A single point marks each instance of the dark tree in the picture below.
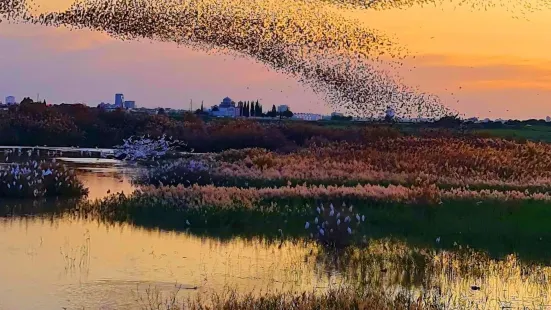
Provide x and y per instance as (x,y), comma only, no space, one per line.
(245,110)
(259,108)
(161,111)
(215,108)
(273,112)
(287,113)
(256,109)
(240,107)
(27,100)
(252,110)
(202,108)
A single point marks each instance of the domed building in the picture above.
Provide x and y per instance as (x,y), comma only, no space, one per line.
(227,108)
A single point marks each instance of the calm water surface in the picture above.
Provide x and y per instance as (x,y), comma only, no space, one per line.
(61,262)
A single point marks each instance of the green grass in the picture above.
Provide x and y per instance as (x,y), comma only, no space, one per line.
(531,133)
(499,228)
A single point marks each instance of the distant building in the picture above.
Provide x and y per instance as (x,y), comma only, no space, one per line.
(107,107)
(282,108)
(307,116)
(227,108)
(119,100)
(130,104)
(389,113)
(548,119)
(10,100)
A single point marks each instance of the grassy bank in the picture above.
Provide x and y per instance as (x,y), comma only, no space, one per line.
(497,226)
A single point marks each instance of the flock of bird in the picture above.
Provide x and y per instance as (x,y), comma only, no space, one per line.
(336,56)
(332,223)
(35,177)
(145,148)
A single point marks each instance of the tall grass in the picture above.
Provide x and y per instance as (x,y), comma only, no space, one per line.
(337,299)
(35,179)
(445,161)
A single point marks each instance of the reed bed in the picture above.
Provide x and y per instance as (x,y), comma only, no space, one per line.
(340,298)
(447,162)
(36,179)
(198,196)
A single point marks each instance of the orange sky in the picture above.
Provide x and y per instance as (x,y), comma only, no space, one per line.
(494,64)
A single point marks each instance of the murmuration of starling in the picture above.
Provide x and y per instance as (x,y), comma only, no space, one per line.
(335,56)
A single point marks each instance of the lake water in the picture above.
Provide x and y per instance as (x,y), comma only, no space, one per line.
(63,262)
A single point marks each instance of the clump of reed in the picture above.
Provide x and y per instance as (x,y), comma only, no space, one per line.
(427,194)
(334,298)
(183,171)
(35,179)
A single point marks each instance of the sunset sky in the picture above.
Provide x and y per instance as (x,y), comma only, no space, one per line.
(496,65)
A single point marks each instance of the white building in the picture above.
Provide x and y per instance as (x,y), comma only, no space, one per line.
(10,100)
(390,113)
(307,116)
(227,108)
(282,108)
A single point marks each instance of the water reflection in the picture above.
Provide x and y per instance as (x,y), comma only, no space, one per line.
(71,263)
(122,256)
